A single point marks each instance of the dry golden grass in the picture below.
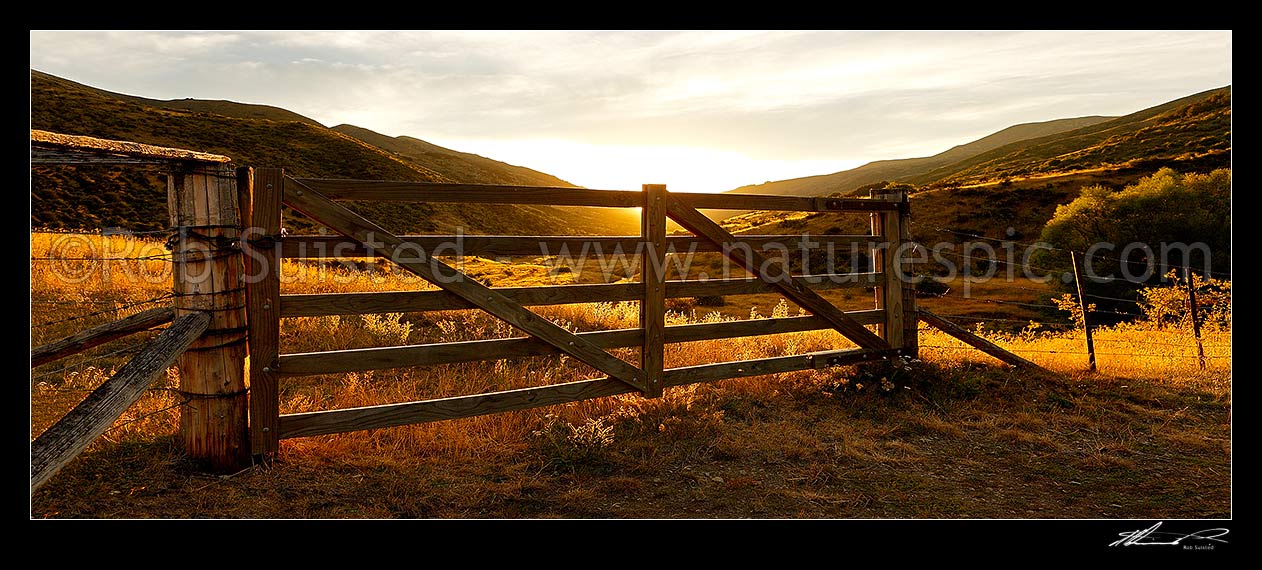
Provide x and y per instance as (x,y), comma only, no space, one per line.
(952,436)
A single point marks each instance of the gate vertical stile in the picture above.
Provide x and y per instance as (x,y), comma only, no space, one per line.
(653,275)
(263,302)
(885,259)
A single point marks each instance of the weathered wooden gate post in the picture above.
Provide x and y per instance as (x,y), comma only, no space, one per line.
(207,270)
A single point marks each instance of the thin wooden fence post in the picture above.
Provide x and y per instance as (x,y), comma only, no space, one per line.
(207,268)
(1196,323)
(653,275)
(262,292)
(885,258)
(911,322)
(1082,304)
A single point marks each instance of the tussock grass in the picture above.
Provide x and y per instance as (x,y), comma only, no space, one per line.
(952,435)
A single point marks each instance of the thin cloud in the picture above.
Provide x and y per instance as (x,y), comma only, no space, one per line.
(833,97)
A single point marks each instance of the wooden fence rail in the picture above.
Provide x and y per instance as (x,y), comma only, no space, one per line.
(325,247)
(99,335)
(322,304)
(973,340)
(88,420)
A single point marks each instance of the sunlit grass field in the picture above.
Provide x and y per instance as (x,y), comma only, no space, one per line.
(845,442)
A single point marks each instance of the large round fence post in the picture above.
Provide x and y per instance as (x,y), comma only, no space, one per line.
(207,271)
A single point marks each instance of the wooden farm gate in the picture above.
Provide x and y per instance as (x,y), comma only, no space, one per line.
(894,313)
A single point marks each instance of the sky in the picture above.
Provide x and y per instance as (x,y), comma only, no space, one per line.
(700,111)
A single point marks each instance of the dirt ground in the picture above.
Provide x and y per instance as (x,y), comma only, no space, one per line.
(972,441)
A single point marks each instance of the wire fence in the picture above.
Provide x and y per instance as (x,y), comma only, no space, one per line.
(1050,247)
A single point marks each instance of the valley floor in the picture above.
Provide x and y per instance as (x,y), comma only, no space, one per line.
(967,440)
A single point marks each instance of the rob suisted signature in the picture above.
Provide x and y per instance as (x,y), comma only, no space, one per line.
(1152,537)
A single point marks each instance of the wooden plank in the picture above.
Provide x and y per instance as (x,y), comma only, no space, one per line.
(60,443)
(126,149)
(262,298)
(214,424)
(653,278)
(314,305)
(324,247)
(99,335)
(382,358)
(384,190)
(353,225)
(730,201)
(775,274)
(389,415)
(974,340)
(889,295)
(776,365)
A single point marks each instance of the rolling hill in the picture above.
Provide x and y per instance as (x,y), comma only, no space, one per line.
(79,197)
(1009,189)
(1191,133)
(456,165)
(902,169)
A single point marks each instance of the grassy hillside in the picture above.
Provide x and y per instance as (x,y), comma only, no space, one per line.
(1011,190)
(68,197)
(1188,134)
(902,169)
(456,165)
(475,169)
(216,107)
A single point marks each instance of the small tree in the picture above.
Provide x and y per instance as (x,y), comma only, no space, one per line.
(1069,304)
(1169,306)
(1166,210)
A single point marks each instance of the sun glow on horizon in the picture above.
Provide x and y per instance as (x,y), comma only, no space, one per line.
(627,167)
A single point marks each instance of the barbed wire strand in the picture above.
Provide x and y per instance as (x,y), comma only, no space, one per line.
(102,312)
(1047,246)
(129,348)
(998,319)
(150,414)
(123,233)
(1001,302)
(163,257)
(1071,352)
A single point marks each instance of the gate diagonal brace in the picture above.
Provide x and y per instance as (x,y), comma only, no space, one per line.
(384,244)
(774,274)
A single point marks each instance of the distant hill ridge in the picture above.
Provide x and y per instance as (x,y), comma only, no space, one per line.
(77,197)
(456,165)
(1191,131)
